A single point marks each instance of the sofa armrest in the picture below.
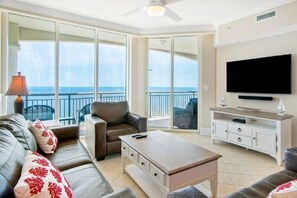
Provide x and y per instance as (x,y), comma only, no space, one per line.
(124,193)
(291,159)
(96,136)
(66,132)
(137,121)
(189,192)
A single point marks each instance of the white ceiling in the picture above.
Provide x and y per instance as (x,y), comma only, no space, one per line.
(193,12)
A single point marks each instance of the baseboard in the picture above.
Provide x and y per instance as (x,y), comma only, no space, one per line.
(205,131)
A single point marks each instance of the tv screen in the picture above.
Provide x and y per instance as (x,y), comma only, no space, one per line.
(260,75)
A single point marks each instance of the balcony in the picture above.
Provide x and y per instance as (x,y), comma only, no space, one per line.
(71,103)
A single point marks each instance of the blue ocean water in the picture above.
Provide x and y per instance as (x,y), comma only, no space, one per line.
(38,90)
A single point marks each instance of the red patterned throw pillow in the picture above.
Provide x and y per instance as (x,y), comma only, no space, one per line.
(45,138)
(286,190)
(40,178)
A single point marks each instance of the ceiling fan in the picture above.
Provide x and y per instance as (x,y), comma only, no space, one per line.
(157,8)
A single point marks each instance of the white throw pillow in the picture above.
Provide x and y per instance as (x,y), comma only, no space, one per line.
(40,178)
(45,138)
(286,190)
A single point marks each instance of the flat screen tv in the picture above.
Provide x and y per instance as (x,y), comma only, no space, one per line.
(260,75)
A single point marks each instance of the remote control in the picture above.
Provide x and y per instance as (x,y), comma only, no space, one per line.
(143,136)
(136,136)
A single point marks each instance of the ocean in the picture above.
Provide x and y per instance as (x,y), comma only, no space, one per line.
(72,99)
(43,90)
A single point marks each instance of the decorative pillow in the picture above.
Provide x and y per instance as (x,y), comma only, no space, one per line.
(40,178)
(45,138)
(18,126)
(286,190)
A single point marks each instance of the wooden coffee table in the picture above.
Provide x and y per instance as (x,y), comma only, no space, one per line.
(162,163)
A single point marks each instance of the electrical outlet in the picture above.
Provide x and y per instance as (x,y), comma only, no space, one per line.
(205,87)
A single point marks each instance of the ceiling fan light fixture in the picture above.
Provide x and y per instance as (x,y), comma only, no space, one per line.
(155,10)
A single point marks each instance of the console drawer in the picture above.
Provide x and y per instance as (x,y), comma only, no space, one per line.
(124,148)
(238,139)
(157,174)
(133,154)
(144,163)
(240,129)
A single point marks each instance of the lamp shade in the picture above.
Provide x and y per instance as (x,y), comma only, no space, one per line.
(18,86)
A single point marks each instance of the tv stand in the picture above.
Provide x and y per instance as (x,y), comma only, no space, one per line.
(248,109)
(265,132)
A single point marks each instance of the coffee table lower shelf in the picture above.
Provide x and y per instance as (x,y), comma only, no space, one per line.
(143,180)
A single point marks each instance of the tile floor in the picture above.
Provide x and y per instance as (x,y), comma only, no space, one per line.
(238,167)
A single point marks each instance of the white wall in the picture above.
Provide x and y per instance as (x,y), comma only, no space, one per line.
(138,76)
(208,78)
(277,45)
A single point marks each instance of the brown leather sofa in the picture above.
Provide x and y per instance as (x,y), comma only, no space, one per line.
(70,157)
(260,189)
(108,121)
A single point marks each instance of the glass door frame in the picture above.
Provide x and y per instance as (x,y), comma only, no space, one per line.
(199,85)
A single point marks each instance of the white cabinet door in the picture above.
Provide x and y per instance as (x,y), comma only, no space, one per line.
(264,140)
(220,130)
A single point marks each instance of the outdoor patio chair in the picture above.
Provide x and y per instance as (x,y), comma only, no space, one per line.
(85,110)
(41,112)
(186,118)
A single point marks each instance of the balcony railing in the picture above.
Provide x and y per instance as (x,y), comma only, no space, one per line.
(70,103)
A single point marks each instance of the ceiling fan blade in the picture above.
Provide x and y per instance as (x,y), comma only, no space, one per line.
(169,13)
(133,11)
(166,2)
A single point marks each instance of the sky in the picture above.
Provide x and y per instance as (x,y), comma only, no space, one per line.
(37,62)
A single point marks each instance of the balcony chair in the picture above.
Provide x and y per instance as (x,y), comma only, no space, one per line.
(85,110)
(108,121)
(186,118)
(41,112)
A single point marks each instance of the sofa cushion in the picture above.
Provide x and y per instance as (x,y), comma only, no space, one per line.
(12,155)
(46,139)
(69,154)
(18,126)
(111,112)
(40,178)
(87,177)
(113,132)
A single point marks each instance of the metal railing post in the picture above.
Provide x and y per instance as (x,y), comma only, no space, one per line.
(69,110)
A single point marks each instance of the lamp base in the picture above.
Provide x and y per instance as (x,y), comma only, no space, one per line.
(19,105)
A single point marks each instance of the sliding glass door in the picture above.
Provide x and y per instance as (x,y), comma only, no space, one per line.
(173,82)
(32,52)
(112,70)
(159,85)
(185,82)
(76,71)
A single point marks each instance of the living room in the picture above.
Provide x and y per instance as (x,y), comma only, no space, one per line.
(186,53)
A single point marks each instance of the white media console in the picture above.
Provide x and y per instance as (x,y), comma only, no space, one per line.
(262,131)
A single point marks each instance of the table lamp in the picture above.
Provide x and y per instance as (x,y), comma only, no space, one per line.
(18,86)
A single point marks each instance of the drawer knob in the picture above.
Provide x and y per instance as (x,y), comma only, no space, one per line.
(124,148)
(142,163)
(239,129)
(239,139)
(254,138)
(155,174)
(132,154)
(226,131)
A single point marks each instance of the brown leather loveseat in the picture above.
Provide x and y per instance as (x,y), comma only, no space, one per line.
(108,121)
(70,157)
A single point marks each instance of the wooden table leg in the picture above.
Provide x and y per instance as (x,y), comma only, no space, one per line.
(123,162)
(214,185)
